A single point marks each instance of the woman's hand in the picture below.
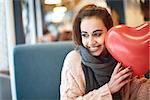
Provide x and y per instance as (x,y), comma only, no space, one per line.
(119,78)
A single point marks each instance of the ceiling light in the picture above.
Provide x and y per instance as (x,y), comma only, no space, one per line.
(52,1)
(62,9)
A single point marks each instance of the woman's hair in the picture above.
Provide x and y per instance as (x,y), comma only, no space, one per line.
(90,11)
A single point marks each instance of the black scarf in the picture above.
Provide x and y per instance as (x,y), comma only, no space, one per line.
(97,70)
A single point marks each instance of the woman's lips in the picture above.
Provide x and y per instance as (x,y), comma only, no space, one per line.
(94,48)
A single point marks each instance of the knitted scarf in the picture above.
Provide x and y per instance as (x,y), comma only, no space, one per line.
(97,70)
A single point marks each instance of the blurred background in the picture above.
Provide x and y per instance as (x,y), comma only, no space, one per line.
(40,21)
(43,21)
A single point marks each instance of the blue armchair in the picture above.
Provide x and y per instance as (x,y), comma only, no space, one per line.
(37,70)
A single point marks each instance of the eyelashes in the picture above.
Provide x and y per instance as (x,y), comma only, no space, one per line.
(97,34)
(84,35)
(93,34)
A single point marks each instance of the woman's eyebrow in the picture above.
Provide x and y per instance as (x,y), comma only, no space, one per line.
(97,31)
(83,32)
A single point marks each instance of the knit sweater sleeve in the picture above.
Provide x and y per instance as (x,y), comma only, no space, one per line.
(73,83)
(137,89)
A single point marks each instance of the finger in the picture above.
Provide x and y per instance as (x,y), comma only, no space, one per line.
(116,68)
(122,72)
(124,82)
(121,68)
(125,76)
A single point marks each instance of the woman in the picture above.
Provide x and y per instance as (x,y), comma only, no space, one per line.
(90,72)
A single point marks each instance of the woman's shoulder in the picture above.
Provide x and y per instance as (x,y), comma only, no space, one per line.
(73,62)
(73,55)
(72,73)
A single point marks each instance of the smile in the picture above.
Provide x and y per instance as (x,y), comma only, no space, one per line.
(94,48)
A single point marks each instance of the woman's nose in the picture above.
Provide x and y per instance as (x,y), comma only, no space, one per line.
(91,40)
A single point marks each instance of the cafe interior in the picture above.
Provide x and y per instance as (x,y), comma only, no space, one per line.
(36,35)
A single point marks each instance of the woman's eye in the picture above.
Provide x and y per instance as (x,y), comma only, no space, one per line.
(84,35)
(97,34)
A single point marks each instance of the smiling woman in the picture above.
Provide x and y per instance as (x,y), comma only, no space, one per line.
(90,72)
(93,35)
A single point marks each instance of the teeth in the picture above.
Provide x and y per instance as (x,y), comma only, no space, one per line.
(93,48)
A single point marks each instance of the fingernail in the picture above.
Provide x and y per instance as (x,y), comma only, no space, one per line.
(129,67)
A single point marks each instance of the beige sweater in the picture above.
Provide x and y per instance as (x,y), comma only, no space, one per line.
(73,84)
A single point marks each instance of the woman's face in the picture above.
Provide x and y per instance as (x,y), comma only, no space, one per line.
(93,32)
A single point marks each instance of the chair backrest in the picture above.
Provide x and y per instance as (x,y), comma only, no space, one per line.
(37,70)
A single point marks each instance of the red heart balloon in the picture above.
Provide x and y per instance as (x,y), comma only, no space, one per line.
(130,46)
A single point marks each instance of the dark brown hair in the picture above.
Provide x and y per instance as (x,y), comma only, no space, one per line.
(90,11)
